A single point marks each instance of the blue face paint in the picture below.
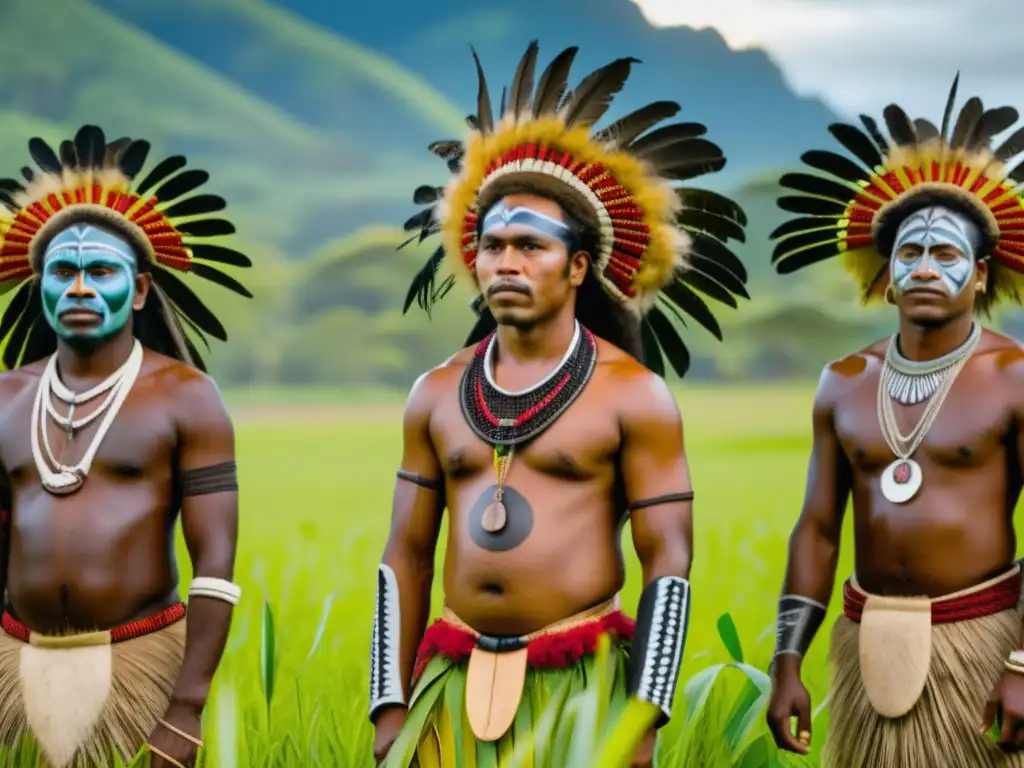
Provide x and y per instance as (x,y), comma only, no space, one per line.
(88,270)
(935,248)
(500,217)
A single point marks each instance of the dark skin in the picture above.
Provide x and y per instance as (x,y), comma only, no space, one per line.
(104,556)
(626,419)
(958,530)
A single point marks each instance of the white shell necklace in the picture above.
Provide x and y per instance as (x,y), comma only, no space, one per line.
(57,477)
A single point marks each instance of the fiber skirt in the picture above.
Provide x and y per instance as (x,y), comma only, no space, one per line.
(437,733)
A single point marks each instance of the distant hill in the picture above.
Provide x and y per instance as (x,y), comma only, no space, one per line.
(377,75)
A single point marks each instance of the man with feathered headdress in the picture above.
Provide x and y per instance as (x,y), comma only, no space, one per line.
(925,430)
(109,429)
(553,428)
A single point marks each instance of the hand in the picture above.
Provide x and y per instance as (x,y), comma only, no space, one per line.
(789,698)
(388,726)
(165,740)
(644,756)
(1006,706)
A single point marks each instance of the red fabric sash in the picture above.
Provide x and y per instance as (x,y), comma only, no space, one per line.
(557,650)
(1001,596)
(129,631)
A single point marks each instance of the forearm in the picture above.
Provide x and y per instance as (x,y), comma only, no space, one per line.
(662,622)
(211,602)
(404,581)
(807,590)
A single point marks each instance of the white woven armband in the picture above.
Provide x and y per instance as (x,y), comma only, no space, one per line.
(218,589)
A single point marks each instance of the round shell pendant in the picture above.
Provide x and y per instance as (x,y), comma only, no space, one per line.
(62,483)
(901,480)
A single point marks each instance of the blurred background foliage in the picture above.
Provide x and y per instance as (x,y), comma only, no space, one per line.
(314,122)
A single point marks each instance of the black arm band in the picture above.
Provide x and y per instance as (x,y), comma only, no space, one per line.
(799,619)
(657,652)
(654,501)
(423,482)
(212,479)
(385,659)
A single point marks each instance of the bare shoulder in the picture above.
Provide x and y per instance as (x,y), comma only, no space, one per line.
(840,376)
(17,385)
(195,398)
(637,393)
(434,384)
(1007,356)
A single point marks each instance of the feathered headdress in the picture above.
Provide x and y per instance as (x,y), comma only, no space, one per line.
(856,214)
(92,181)
(658,245)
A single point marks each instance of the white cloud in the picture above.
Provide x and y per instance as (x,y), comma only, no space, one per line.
(861,56)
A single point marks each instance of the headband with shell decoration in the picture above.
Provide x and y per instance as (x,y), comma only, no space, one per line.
(856,213)
(658,245)
(91,180)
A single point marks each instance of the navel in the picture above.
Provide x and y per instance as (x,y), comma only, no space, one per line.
(964,452)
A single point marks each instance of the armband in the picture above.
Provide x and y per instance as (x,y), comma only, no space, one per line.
(662,620)
(385,659)
(423,482)
(218,589)
(212,479)
(654,501)
(799,619)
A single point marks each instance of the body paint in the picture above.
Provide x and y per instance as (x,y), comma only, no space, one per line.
(500,217)
(930,229)
(92,269)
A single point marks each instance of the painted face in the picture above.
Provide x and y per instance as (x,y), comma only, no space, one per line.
(935,248)
(88,283)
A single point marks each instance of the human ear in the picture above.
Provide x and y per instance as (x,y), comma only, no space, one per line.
(143,281)
(579,263)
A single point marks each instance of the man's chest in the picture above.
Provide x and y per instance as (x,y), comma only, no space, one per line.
(137,439)
(580,443)
(969,424)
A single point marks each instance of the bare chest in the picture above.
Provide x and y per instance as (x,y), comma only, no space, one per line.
(581,444)
(970,427)
(139,441)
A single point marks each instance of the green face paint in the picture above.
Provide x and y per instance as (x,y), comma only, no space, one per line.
(88,284)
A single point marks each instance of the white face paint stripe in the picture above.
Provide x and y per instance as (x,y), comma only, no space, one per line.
(501,212)
(80,246)
(931,228)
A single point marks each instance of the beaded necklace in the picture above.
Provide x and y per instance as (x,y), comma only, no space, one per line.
(506,419)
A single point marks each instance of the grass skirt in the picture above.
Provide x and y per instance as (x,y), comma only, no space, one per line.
(943,729)
(437,733)
(77,706)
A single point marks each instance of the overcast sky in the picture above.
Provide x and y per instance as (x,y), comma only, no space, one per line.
(860,56)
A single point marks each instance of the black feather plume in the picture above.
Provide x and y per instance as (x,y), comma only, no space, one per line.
(188,303)
(163,169)
(180,185)
(857,143)
(193,206)
(837,165)
(552,84)
(206,227)
(134,158)
(876,135)
(220,254)
(522,83)
(624,130)
(900,126)
(484,115)
(220,278)
(44,156)
(594,94)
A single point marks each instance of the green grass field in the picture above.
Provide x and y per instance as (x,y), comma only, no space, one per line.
(317,478)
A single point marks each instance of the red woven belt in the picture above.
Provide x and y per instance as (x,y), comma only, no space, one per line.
(985,602)
(557,650)
(129,631)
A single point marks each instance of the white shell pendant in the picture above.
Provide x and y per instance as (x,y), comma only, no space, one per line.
(901,480)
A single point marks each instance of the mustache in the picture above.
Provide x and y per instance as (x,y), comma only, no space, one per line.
(508,285)
(922,285)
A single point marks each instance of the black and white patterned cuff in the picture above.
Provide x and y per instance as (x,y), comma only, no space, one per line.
(385,659)
(662,620)
(799,619)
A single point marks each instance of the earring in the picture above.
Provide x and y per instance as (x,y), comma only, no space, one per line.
(888,296)
(979,286)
